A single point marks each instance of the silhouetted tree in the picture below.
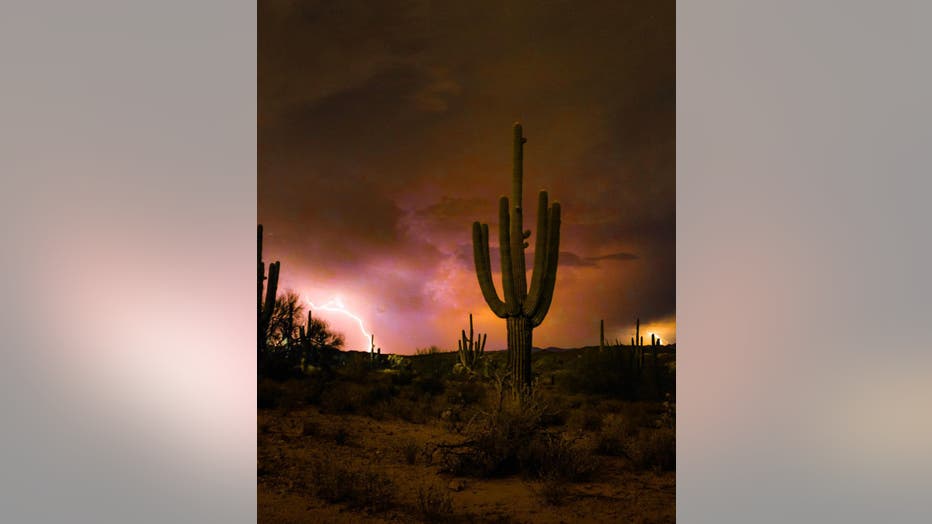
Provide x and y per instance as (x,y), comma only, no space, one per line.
(283,327)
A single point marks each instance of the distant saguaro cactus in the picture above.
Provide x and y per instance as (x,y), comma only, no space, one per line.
(601,335)
(523,309)
(265,309)
(305,342)
(471,349)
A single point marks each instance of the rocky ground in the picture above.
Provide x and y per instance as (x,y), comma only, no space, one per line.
(320,467)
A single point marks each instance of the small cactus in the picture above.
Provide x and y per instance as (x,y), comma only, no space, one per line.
(305,341)
(471,349)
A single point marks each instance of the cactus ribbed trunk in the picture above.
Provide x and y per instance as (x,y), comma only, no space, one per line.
(520,340)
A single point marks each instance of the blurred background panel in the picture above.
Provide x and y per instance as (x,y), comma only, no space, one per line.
(802,272)
(127,154)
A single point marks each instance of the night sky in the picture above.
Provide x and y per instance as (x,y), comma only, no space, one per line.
(385,131)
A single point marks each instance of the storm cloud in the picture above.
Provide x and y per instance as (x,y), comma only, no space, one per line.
(384,132)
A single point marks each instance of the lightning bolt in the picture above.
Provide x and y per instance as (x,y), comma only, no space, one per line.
(336,305)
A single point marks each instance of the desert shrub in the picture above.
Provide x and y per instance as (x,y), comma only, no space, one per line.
(289,394)
(554,417)
(378,393)
(357,367)
(404,408)
(264,427)
(653,448)
(365,489)
(342,397)
(466,393)
(586,419)
(615,432)
(341,436)
(667,417)
(434,504)
(268,394)
(431,350)
(410,449)
(310,428)
(403,377)
(615,373)
(429,385)
(551,456)
(496,442)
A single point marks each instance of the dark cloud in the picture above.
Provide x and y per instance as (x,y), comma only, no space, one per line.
(384,132)
(615,256)
(464,255)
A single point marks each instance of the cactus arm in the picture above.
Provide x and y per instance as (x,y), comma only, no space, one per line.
(261,279)
(540,253)
(517,163)
(271,291)
(549,279)
(519,269)
(480,242)
(504,242)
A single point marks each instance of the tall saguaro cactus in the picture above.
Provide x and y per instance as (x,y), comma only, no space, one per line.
(522,308)
(265,309)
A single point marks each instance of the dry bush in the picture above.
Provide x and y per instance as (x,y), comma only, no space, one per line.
(612,438)
(410,410)
(653,448)
(514,439)
(585,419)
(552,456)
(310,428)
(342,397)
(434,504)
(410,450)
(265,427)
(465,393)
(341,436)
(365,489)
(431,350)
(493,442)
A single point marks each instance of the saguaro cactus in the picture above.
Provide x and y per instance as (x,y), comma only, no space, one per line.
(306,341)
(265,309)
(471,349)
(601,335)
(522,308)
